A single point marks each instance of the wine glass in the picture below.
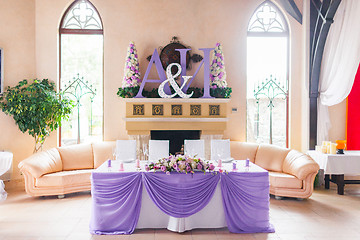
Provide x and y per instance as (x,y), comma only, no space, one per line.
(219,153)
(145,151)
(114,153)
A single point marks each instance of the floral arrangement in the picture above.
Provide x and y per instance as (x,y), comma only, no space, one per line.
(219,87)
(217,68)
(180,163)
(131,81)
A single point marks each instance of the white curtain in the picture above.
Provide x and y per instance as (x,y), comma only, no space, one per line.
(340,62)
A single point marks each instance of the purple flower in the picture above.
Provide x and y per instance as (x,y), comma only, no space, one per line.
(199,166)
(175,166)
(188,168)
(221,74)
(147,168)
(217,44)
(163,168)
(211,167)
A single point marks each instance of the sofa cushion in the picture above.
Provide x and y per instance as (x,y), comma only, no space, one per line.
(283,180)
(102,152)
(78,156)
(271,157)
(243,150)
(64,178)
(42,163)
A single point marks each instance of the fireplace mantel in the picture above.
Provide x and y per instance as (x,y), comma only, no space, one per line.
(146,114)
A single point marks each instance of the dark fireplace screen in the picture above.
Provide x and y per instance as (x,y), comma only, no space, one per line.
(176,138)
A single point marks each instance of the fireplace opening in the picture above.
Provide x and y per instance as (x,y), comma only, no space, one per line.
(176,138)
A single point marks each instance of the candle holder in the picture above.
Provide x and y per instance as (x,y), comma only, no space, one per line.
(339,151)
(341,145)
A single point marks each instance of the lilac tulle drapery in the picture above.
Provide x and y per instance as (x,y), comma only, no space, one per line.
(117,198)
(117,202)
(246,209)
(180,195)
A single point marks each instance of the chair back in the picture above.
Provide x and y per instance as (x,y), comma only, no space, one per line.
(220,149)
(126,150)
(158,149)
(195,148)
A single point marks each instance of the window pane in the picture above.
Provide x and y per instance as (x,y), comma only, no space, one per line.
(266,89)
(267,19)
(82,15)
(82,55)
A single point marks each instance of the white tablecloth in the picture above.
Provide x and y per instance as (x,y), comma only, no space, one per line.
(5,166)
(347,164)
(211,216)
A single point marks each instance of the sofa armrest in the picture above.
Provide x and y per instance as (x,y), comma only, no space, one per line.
(42,163)
(300,165)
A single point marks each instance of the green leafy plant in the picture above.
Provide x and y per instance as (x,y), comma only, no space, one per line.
(36,108)
(128,92)
(221,92)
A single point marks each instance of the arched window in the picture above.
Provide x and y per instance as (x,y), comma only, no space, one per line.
(81,72)
(267,76)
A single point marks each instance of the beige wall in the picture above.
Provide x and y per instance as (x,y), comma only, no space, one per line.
(17,30)
(31,48)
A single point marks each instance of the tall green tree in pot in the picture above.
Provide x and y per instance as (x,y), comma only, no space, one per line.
(36,108)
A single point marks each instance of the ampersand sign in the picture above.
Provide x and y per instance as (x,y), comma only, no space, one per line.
(171,80)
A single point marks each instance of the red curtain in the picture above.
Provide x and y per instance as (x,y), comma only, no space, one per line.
(353,115)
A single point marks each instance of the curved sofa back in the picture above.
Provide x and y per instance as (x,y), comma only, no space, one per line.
(77,157)
(42,163)
(271,157)
(102,152)
(274,158)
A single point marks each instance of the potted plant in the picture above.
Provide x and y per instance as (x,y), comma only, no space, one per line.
(36,108)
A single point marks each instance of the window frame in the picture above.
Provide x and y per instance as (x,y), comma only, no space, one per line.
(82,32)
(285,33)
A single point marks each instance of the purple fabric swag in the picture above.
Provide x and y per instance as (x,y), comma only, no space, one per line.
(180,195)
(116,202)
(246,202)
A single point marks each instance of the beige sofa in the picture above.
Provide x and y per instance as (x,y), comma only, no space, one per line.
(63,170)
(291,173)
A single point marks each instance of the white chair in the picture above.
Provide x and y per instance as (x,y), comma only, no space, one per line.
(195,148)
(220,149)
(158,149)
(126,150)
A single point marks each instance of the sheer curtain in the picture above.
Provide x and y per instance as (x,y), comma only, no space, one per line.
(339,64)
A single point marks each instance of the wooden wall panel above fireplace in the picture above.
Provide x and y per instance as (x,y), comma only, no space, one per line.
(207,115)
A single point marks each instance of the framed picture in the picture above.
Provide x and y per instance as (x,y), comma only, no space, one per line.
(1,70)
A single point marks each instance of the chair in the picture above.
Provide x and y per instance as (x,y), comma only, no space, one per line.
(126,150)
(158,149)
(220,149)
(195,148)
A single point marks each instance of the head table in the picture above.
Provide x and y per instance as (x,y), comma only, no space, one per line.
(123,201)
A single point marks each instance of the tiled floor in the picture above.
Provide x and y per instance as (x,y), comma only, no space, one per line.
(325,215)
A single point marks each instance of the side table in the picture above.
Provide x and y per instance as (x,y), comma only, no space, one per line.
(336,166)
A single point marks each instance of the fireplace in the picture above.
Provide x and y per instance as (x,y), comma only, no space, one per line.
(176,138)
(175,119)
